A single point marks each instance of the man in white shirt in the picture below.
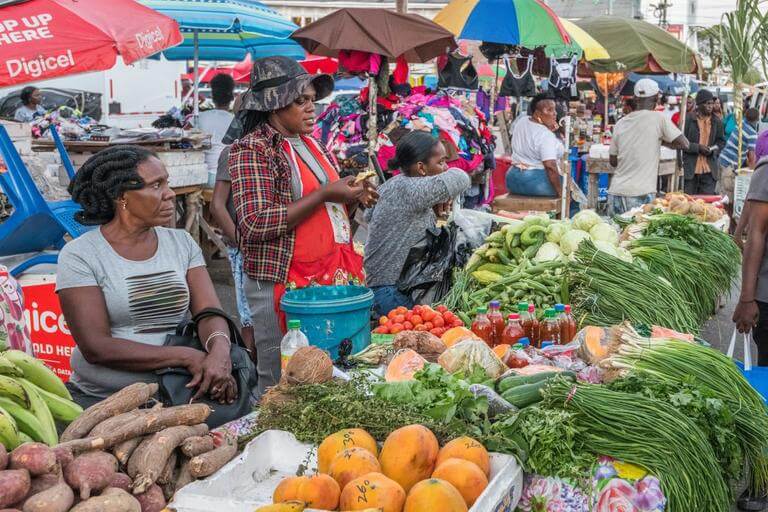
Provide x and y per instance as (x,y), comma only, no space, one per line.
(636,150)
(216,121)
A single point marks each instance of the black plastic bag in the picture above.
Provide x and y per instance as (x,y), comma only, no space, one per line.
(427,272)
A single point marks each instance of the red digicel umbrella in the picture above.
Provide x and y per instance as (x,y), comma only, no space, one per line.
(42,39)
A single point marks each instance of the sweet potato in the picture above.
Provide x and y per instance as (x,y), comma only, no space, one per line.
(124,450)
(111,500)
(3,457)
(58,498)
(208,463)
(154,421)
(36,458)
(149,459)
(91,472)
(15,484)
(63,455)
(125,400)
(152,500)
(197,445)
(166,475)
(45,482)
(121,481)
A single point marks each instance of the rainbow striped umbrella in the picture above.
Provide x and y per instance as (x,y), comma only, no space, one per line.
(527,23)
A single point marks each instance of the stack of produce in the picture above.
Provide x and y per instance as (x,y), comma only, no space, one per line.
(32,400)
(412,473)
(116,457)
(420,318)
(683,204)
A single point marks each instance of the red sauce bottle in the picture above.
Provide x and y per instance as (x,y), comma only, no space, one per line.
(549,330)
(513,331)
(497,321)
(482,326)
(532,332)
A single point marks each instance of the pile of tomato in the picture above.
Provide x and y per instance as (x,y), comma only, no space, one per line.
(420,318)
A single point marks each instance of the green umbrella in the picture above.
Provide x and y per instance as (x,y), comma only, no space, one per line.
(638,46)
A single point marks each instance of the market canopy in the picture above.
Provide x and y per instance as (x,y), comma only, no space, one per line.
(42,39)
(592,49)
(228,29)
(378,31)
(637,45)
(667,84)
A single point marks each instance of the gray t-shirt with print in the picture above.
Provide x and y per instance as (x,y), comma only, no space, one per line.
(145,299)
(758,191)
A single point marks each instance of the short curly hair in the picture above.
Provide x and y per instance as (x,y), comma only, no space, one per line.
(103,178)
(26,94)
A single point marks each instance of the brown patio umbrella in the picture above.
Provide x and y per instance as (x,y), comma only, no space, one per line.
(379,31)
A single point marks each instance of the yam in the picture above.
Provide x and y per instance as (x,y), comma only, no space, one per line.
(125,400)
(309,365)
(426,344)
(3,457)
(63,455)
(197,445)
(91,471)
(111,500)
(15,484)
(152,500)
(45,482)
(110,424)
(184,476)
(150,423)
(58,498)
(124,450)
(208,463)
(121,481)
(37,458)
(167,474)
(149,459)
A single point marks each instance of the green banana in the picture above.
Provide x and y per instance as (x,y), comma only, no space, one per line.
(25,420)
(10,388)
(61,408)
(24,438)
(9,432)
(8,368)
(38,373)
(39,408)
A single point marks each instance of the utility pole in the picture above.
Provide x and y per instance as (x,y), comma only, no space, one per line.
(402,6)
(660,11)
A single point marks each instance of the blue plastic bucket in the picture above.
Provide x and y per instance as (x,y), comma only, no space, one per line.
(329,314)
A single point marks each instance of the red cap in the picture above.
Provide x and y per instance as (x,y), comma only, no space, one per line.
(567,308)
(514,316)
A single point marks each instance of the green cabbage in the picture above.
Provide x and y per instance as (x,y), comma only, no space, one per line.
(624,254)
(607,247)
(571,240)
(548,252)
(585,219)
(604,232)
(538,219)
(556,230)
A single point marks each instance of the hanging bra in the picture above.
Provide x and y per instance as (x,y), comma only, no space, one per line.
(562,77)
(458,73)
(518,85)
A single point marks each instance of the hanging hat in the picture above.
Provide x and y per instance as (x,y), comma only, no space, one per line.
(276,82)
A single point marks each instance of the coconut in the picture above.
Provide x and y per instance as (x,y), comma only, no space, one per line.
(309,365)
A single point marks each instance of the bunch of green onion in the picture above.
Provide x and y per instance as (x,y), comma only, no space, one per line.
(674,360)
(651,434)
(607,291)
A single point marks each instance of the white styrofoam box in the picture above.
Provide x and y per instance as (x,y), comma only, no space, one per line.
(249,480)
(185,168)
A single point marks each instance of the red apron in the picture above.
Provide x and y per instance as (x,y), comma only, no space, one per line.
(323,252)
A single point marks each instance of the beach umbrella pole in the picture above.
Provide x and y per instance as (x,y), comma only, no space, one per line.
(196,100)
(567,173)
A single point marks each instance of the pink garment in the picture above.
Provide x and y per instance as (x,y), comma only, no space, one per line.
(385,154)
(467,165)
(356,61)
(400,74)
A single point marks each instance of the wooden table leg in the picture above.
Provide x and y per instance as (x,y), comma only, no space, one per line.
(593,190)
(193,202)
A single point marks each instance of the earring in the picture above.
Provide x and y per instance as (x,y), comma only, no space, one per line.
(125,205)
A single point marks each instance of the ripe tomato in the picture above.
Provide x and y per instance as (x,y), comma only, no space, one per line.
(407,326)
(417,309)
(383,320)
(429,325)
(416,319)
(427,314)
(442,309)
(457,322)
(409,316)
(448,317)
(438,321)
(401,310)
(437,331)
(382,329)
(399,319)
(392,314)
(395,328)
(420,327)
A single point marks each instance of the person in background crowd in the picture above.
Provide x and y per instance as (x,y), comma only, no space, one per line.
(630,105)
(670,107)
(729,160)
(717,108)
(690,105)
(187,94)
(216,121)
(407,207)
(128,283)
(292,209)
(636,150)
(31,99)
(707,138)
(535,151)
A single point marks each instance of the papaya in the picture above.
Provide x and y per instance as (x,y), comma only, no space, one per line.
(352,463)
(319,491)
(468,449)
(404,365)
(372,491)
(340,441)
(465,476)
(434,494)
(287,489)
(409,455)
(456,334)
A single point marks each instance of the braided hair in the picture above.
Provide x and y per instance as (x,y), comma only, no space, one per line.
(103,178)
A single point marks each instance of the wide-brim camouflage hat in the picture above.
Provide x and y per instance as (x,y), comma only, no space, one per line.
(276,82)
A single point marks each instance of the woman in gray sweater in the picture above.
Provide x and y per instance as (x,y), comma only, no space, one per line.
(406,209)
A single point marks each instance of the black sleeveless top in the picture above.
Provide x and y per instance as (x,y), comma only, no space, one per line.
(520,85)
(458,73)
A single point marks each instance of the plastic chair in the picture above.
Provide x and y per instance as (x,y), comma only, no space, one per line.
(35,224)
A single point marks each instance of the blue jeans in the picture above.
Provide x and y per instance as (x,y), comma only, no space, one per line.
(236,262)
(387,298)
(529,182)
(618,205)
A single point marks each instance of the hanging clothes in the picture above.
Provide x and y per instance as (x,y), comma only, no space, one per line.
(562,77)
(458,73)
(518,85)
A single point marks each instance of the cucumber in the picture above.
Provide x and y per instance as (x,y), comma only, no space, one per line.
(519,380)
(525,394)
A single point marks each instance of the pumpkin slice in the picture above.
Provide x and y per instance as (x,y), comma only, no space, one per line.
(404,365)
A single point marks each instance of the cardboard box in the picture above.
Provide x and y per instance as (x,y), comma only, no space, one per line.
(249,480)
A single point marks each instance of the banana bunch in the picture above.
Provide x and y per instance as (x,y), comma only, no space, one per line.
(32,399)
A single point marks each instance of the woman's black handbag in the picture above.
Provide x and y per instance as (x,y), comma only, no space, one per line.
(173,381)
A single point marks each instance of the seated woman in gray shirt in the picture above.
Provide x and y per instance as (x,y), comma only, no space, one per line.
(405,210)
(126,284)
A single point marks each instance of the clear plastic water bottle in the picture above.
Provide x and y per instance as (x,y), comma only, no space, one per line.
(293,340)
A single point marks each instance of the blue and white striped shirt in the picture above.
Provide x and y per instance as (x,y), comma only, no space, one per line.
(729,155)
